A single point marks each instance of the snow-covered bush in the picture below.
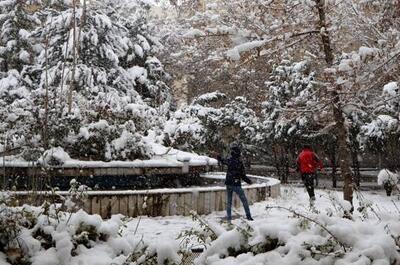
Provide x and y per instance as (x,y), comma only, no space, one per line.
(92,141)
(303,238)
(18,115)
(129,146)
(185,131)
(54,157)
(209,124)
(381,131)
(46,235)
(104,141)
(388,180)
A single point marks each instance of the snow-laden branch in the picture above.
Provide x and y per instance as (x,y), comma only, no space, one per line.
(313,221)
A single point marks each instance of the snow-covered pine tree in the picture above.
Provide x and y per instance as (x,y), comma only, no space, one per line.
(288,113)
(118,93)
(210,124)
(381,132)
(17,53)
(191,127)
(290,90)
(17,20)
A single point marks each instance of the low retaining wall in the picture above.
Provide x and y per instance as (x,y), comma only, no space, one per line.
(166,202)
(103,177)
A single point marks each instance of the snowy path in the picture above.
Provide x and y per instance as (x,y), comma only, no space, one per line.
(156,229)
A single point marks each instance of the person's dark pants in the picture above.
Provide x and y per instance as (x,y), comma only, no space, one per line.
(308,180)
(239,191)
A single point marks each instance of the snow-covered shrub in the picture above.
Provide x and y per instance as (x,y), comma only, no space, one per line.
(303,239)
(54,157)
(37,236)
(12,221)
(18,115)
(388,180)
(380,132)
(92,141)
(129,146)
(186,131)
(103,141)
(208,124)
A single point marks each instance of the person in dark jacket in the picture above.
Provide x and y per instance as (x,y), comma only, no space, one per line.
(235,173)
(307,164)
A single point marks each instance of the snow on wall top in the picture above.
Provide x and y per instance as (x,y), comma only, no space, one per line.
(163,157)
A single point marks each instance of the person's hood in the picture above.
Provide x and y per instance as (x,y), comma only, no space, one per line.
(235,151)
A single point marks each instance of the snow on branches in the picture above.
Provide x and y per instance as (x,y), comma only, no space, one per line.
(73,66)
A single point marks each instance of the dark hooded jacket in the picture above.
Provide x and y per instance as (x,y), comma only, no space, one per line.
(236,171)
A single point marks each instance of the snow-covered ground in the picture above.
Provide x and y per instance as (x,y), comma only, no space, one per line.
(286,231)
(375,216)
(292,197)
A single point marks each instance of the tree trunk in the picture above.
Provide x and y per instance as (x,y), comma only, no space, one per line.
(343,148)
(333,173)
(277,162)
(72,82)
(46,99)
(285,165)
(341,130)
(356,168)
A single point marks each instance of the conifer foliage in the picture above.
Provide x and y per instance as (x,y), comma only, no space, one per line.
(80,77)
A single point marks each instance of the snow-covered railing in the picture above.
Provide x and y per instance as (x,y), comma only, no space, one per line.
(166,202)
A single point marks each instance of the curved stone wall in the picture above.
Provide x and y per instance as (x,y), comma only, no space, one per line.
(179,201)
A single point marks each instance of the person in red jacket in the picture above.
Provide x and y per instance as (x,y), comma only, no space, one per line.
(307,164)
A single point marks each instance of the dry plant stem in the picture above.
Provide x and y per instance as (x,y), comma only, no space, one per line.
(395,205)
(46,99)
(140,218)
(361,197)
(63,66)
(72,81)
(197,216)
(137,225)
(313,221)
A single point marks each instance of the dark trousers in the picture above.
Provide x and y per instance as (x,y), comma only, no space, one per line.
(308,180)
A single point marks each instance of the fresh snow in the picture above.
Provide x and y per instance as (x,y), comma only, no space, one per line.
(192,33)
(367,237)
(234,53)
(386,175)
(367,51)
(368,233)
(163,157)
(391,89)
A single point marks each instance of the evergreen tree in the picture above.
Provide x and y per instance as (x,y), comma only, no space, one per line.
(17,20)
(92,86)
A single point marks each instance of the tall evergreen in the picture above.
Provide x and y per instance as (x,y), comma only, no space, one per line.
(92,84)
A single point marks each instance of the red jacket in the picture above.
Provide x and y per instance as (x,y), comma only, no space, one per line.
(308,162)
